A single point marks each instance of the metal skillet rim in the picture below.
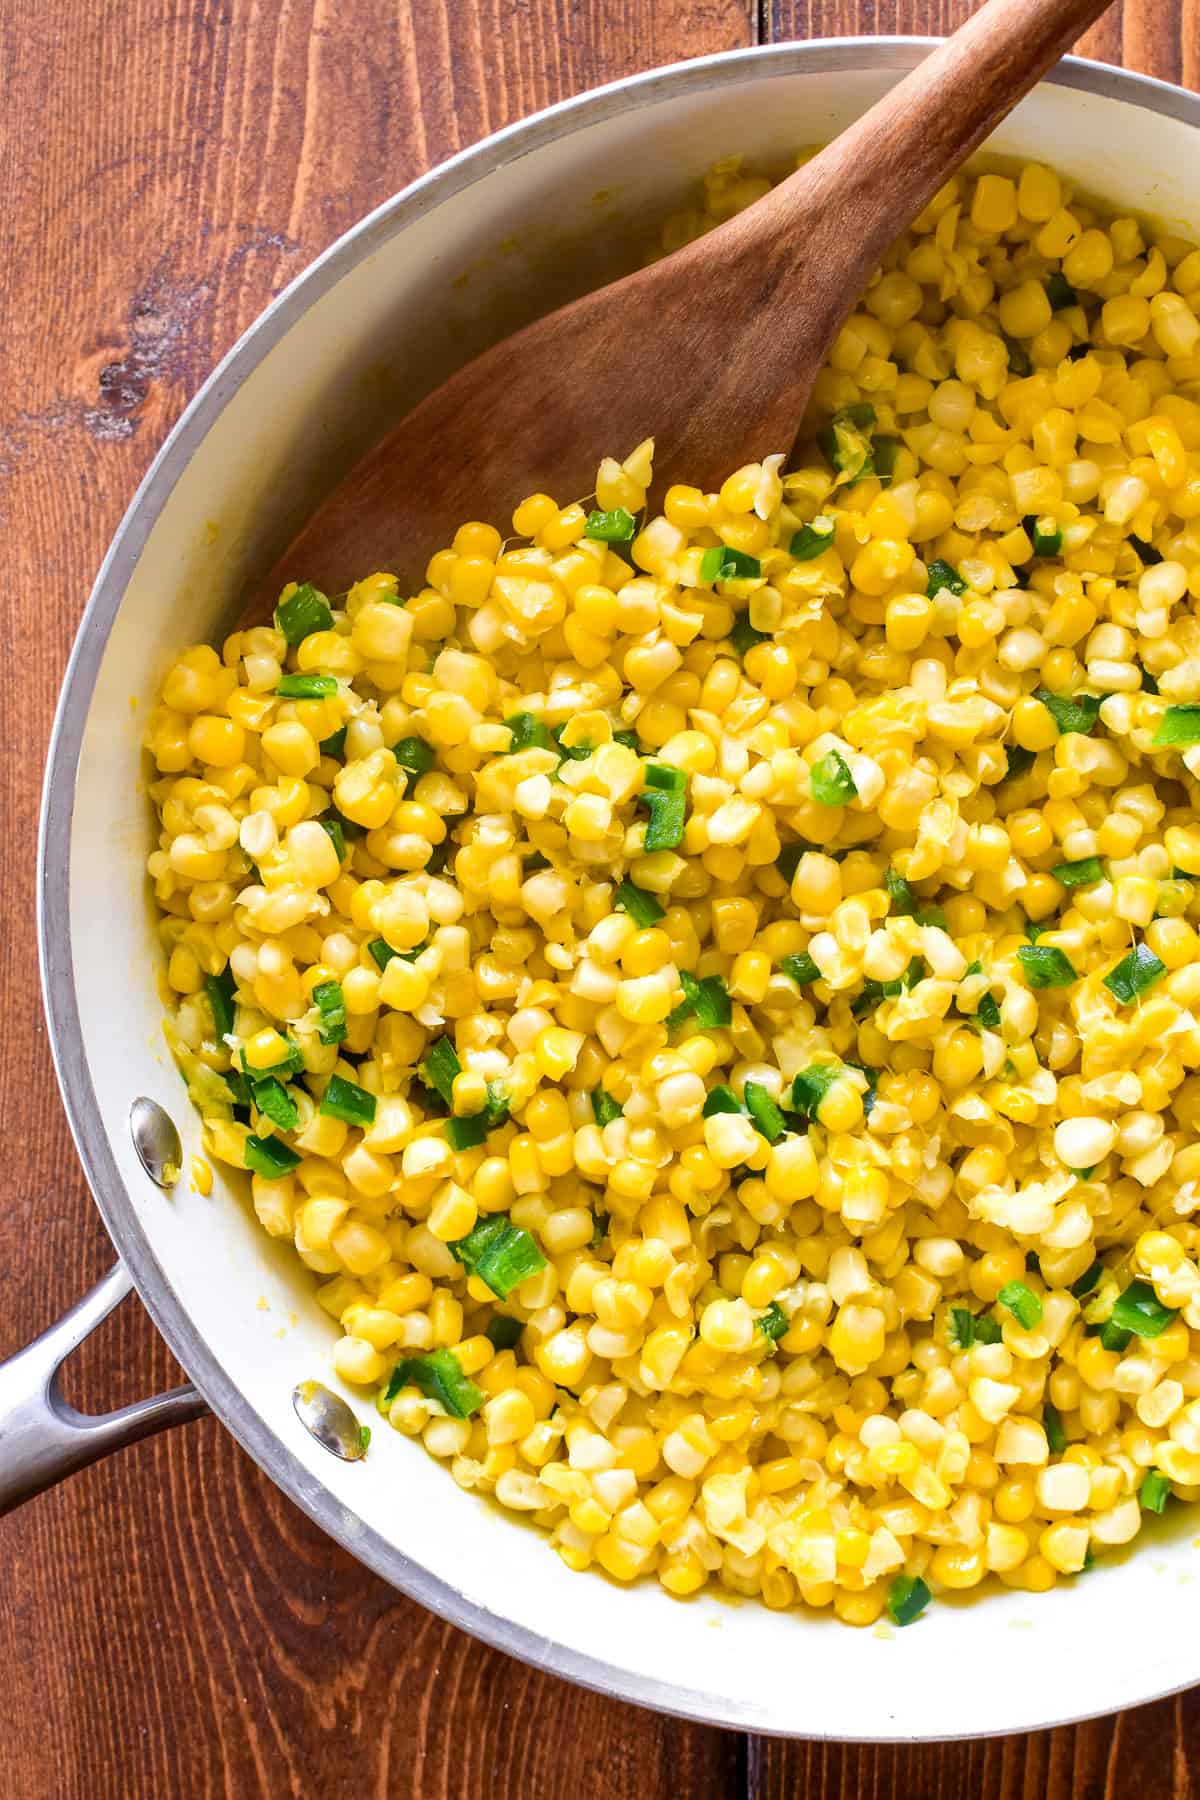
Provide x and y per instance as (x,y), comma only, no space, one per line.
(54,945)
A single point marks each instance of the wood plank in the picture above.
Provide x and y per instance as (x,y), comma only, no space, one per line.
(1156,37)
(169,1624)
(1154,1746)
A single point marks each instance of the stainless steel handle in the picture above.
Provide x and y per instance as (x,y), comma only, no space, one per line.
(42,1438)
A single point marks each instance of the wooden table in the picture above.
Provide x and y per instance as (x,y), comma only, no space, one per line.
(170,1627)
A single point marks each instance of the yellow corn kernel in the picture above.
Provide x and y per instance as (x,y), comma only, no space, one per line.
(750,976)
(453,1213)
(631,1420)
(959,1565)
(291,747)
(907,620)
(218,742)
(855,1339)
(358,1362)
(994,204)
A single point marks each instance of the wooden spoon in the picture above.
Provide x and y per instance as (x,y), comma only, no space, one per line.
(712,351)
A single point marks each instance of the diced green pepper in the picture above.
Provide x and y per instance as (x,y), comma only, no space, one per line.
(439,1376)
(960,1328)
(811,1085)
(1084,873)
(468,1133)
(706,1001)
(275,1103)
(528,733)
(306,687)
(1154,1492)
(504,1332)
(1134,974)
(831,780)
(221,990)
(304,611)
(1022,1303)
(903,900)
(773,1323)
(615,527)
(665,797)
(330,1003)
(291,1064)
(1044,535)
(496,1107)
(1046,966)
(812,540)
(501,1254)
(415,755)
(721,1099)
(1019,365)
(269,1158)
(1114,1337)
(1071,712)
(801,969)
(720,563)
(439,1068)
(744,635)
(1059,291)
(765,1114)
(907,1598)
(943,575)
(1087,1281)
(1140,1310)
(1052,1424)
(347,1101)
(847,444)
(1018,761)
(604,1108)
(884,452)
(1179,727)
(642,907)
(988,1013)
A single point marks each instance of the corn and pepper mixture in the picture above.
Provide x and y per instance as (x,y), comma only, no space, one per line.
(715,996)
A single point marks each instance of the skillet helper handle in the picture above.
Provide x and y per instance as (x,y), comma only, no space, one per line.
(42,1438)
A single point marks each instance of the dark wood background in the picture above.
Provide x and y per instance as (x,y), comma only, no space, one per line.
(169,1625)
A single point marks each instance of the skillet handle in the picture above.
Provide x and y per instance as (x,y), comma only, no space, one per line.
(42,1438)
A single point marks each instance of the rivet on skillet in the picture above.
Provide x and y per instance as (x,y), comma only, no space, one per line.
(156,1141)
(326,1417)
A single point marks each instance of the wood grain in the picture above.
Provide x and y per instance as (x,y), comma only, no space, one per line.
(713,351)
(170,1627)
(1156,37)
(1086,1762)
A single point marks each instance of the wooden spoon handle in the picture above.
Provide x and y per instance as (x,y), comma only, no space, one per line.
(883,171)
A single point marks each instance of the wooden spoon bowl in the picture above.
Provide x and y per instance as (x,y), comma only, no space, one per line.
(713,351)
